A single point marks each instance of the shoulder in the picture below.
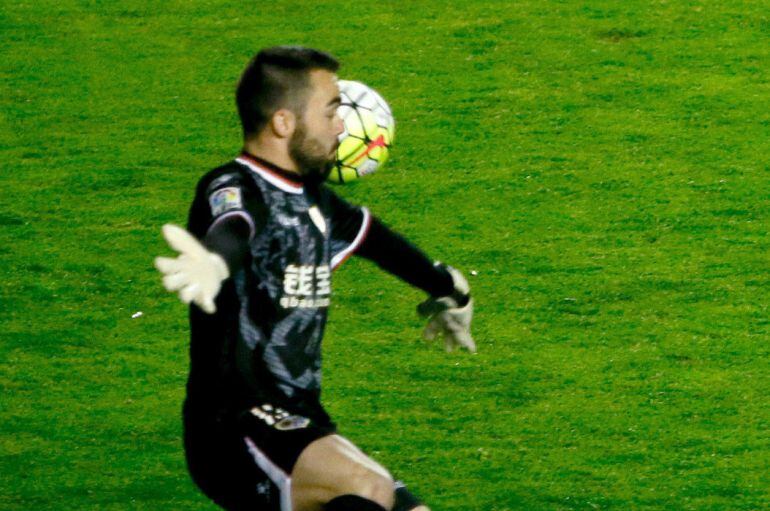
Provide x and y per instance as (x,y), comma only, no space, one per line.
(229,174)
(223,192)
(231,181)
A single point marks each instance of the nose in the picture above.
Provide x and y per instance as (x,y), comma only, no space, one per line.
(339,125)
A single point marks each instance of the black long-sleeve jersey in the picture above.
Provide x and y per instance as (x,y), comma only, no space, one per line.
(264,341)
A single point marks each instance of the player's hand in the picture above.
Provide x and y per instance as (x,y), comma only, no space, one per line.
(196,272)
(450,316)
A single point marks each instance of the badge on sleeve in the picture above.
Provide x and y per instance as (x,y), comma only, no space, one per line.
(225,199)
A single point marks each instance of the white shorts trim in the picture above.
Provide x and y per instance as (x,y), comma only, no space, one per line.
(276,474)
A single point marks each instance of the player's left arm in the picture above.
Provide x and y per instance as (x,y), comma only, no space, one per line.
(449,308)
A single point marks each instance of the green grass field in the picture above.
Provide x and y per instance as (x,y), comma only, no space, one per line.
(602,166)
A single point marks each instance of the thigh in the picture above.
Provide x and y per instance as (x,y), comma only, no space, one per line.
(334,466)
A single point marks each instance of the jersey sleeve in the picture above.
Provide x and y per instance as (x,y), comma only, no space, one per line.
(349,227)
(229,196)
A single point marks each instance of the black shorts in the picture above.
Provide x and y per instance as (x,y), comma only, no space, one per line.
(245,462)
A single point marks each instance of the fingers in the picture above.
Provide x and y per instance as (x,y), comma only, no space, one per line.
(181,240)
(449,341)
(465,340)
(174,275)
(207,304)
(460,334)
(433,328)
(453,340)
(189,292)
(168,265)
(175,281)
(195,274)
(454,332)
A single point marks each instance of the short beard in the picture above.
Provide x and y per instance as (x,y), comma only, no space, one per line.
(307,153)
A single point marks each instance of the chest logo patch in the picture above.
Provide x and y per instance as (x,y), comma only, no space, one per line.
(317,218)
(225,199)
(306,286)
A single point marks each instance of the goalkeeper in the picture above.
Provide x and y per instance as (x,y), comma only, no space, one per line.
(263,237)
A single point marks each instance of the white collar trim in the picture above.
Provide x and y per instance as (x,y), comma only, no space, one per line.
(270,177)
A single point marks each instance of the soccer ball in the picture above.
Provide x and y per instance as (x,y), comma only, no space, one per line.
(369,132)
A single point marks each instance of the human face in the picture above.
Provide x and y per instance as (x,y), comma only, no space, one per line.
(313,145)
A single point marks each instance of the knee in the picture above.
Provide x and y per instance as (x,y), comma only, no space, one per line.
(373,485)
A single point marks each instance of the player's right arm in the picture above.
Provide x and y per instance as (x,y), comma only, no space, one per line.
(230,214)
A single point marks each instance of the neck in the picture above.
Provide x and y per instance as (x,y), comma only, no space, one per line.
(271,151)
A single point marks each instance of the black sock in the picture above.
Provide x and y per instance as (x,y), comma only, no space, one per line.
(405,501)
(352,503)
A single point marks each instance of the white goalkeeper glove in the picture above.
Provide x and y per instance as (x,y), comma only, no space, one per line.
(450,315)
(196,273)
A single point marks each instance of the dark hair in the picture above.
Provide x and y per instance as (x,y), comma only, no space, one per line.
(277,78)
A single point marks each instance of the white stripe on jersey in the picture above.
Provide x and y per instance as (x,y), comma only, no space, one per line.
(341,256)
(270,177)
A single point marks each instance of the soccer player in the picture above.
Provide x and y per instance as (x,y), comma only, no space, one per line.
(264,235)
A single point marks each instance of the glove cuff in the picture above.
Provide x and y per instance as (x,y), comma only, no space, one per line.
(459,281)
(462,290)
(460,298)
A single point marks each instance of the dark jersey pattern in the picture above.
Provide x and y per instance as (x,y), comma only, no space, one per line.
(265,339)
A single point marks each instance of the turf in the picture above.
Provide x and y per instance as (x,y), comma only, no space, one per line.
(601,167)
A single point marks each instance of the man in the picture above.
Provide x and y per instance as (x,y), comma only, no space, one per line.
(264,236)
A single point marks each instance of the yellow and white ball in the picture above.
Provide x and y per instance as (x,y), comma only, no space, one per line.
(369,132)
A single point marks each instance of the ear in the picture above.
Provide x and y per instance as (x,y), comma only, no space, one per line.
(283,123)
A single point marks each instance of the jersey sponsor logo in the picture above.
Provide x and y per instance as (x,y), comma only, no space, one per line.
(225,199)
(306,286)
(279,418)
(292,422)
